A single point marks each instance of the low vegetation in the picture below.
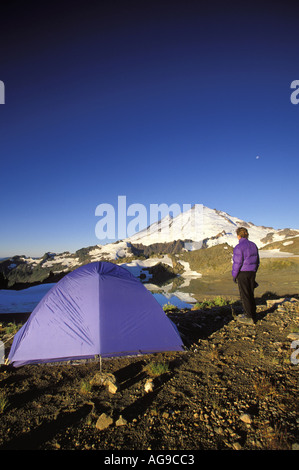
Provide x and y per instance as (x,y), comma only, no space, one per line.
(155,369)
(3,401)
(218,301)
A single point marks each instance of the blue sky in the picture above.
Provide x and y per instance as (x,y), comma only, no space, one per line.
(163,102)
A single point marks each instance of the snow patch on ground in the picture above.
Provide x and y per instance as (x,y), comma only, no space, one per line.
(276,253)
(177,300)
(138,267)
(22,301)
(68,262)
(188,272)
(288,243)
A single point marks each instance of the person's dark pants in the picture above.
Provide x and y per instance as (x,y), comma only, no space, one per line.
(246,283)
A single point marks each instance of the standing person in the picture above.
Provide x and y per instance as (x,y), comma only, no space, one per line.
(245,265)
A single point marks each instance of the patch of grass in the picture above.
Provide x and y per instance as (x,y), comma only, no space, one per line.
(263,387)
(213,354)
(216,302)
(11,328)
(294,329)
(85,387)
(276,438)
(169,307)
(154,369)
(3,401)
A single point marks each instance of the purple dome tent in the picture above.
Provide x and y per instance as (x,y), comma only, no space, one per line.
(99,309)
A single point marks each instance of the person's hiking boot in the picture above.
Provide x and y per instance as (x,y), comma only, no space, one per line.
(245,319)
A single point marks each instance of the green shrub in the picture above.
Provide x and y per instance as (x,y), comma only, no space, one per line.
(85,387)
(156,368)
(11,328)
(168,307)
(216,302)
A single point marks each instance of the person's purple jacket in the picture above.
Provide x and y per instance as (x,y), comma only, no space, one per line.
(245,257)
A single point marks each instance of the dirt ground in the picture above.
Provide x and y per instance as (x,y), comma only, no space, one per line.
(234,387)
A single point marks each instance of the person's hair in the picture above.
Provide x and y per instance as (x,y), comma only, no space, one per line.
(242,232)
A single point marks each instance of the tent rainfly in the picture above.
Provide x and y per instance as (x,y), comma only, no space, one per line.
(99,309)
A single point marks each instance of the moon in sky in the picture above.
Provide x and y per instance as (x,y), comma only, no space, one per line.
(257,157)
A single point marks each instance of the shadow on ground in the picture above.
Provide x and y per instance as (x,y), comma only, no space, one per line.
(194,325)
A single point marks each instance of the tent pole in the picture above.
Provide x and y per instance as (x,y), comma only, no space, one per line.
(100,364)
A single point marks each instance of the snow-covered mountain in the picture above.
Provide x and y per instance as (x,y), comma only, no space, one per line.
(198,227)
(206,227)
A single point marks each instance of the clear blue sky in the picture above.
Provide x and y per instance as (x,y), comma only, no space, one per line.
(161,101)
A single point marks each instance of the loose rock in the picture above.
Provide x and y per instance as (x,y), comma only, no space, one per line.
(149,386)
(103,422)
(121,421)
(237,446)
(106,380)
(293,336)
(246,418)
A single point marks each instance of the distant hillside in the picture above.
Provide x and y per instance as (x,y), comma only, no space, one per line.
(217,259)
(175,246)
(291,245)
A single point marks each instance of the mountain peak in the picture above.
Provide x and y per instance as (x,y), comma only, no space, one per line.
(205,226)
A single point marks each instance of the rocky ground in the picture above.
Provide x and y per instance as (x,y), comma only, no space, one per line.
(235,387)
